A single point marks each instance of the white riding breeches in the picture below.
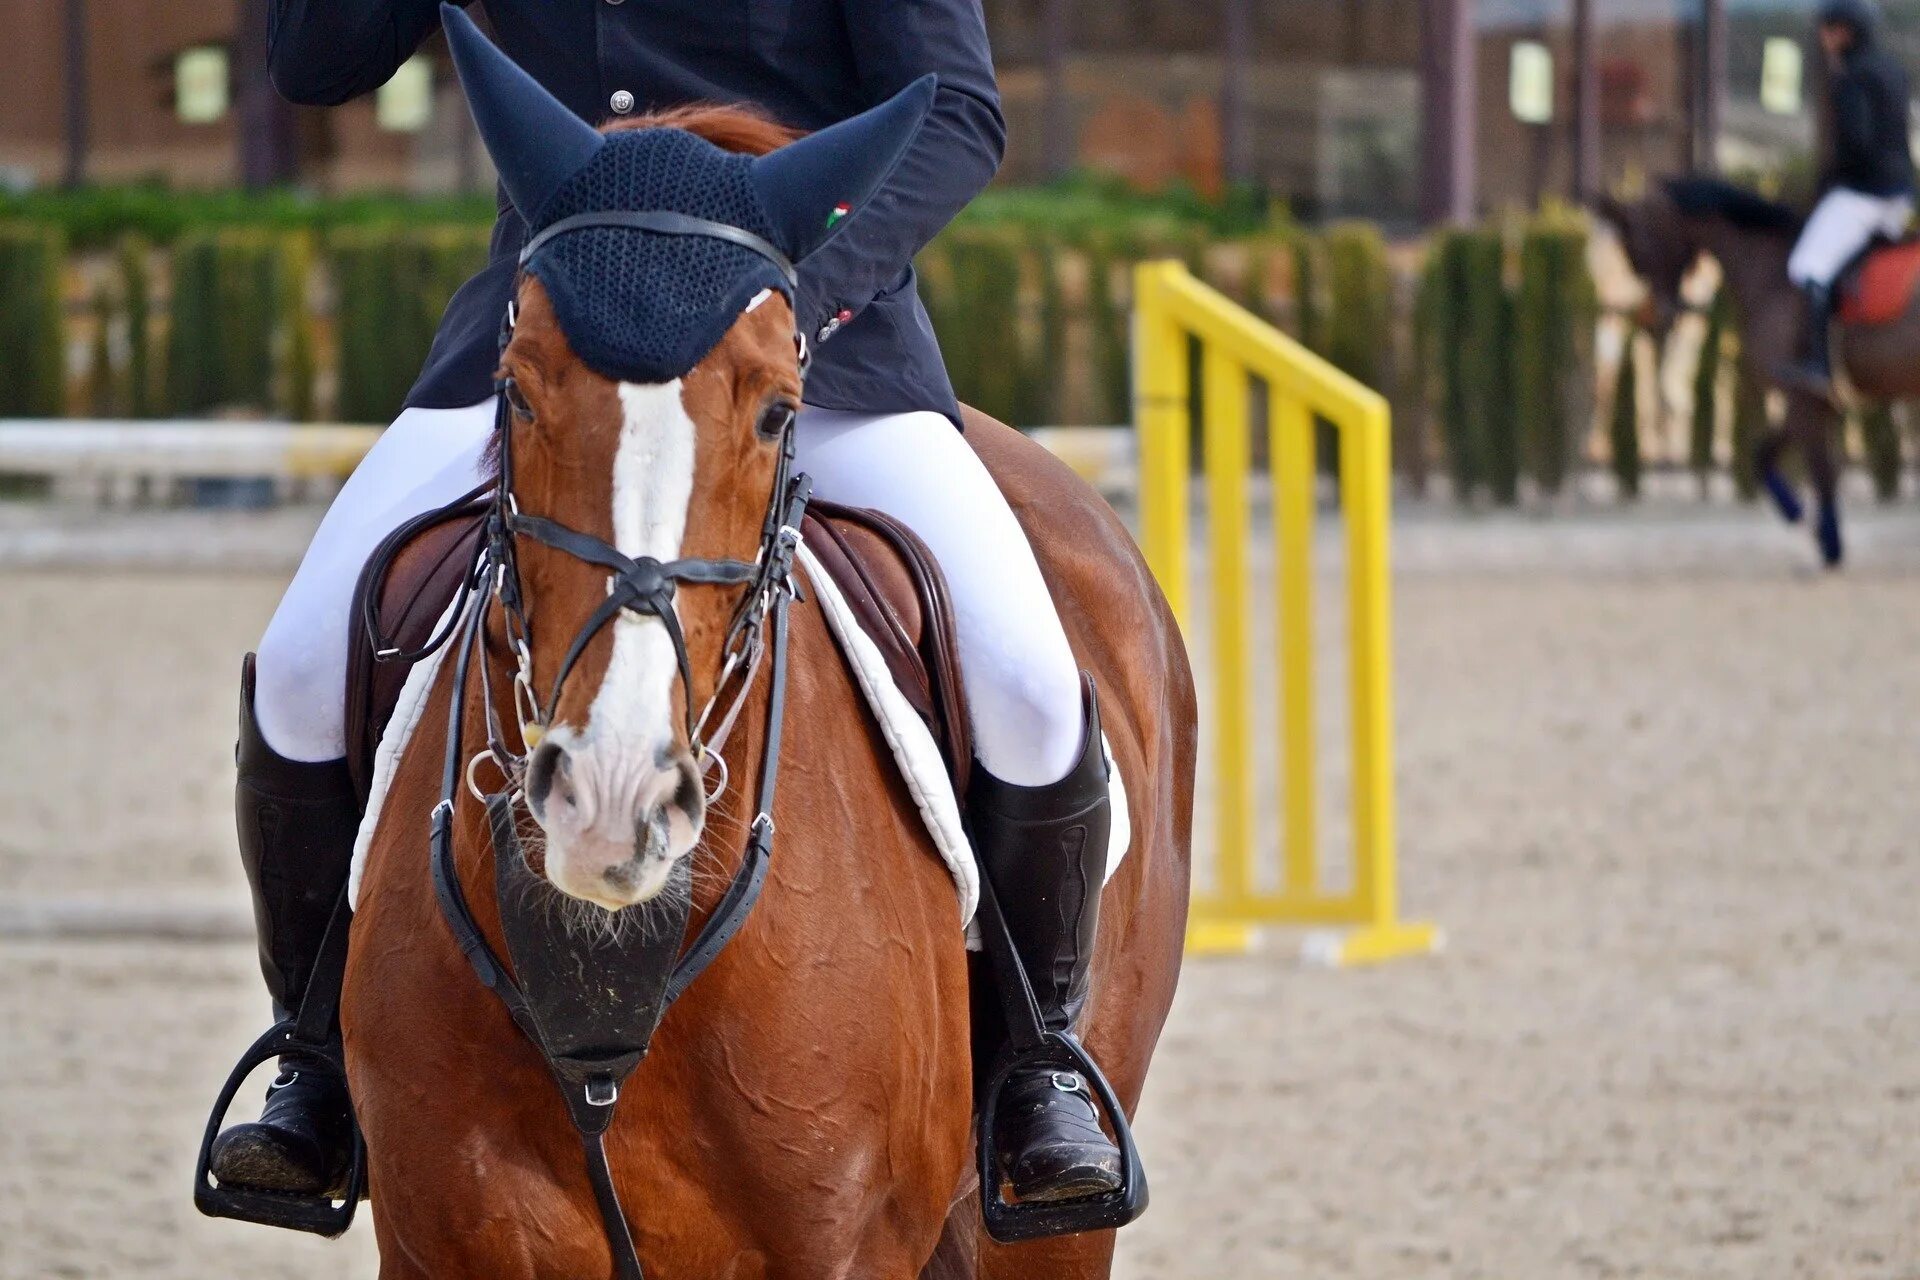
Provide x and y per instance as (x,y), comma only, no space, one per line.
(1843,223)
(1023,684)
(425,460)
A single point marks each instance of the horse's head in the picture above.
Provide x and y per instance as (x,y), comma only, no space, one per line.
(1661,244)
(651,382)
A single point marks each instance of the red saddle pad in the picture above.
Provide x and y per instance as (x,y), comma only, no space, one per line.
(1880,289)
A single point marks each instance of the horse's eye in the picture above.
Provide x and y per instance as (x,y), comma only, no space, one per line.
(517,401)
(775,419)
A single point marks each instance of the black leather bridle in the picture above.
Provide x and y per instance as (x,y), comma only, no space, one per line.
(590,1005)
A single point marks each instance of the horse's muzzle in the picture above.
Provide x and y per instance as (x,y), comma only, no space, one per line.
(616,820)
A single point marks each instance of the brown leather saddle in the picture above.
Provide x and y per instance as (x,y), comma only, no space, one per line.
(888,576)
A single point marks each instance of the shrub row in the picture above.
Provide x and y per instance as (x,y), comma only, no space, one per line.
(231,321)
(32,259)
(1076,207)
(1487,350)
(391,289)
(1504,325)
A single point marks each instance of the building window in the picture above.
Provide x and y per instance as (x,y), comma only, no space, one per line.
(1530,82)
(200,90)
(405,103)
(1781,73)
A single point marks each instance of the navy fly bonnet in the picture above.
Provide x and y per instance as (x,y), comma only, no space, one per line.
(652,242)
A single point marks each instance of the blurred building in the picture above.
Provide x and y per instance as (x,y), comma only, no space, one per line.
(1391,109)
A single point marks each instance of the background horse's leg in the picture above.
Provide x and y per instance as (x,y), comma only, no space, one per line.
(1766,463)
(1813,423)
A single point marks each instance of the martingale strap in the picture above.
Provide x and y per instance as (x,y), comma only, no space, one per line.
(591,1004)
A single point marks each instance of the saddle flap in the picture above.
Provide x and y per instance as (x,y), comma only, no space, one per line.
(1879,288)
(409,580)
(894,585)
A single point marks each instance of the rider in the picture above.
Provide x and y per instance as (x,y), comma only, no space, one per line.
(878,430)
(1867,182)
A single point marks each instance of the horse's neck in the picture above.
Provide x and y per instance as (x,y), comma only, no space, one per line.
(1753,264)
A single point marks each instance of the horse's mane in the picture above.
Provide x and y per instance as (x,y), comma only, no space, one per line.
(1700,197)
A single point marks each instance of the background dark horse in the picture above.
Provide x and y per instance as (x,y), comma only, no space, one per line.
(1666,232)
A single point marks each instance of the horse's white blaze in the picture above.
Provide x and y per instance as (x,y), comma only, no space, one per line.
(633,714)
(619,761)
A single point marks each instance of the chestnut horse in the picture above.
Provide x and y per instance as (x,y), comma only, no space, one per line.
(1667,231)
(805,1108)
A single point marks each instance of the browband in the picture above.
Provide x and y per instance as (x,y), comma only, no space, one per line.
(664,223)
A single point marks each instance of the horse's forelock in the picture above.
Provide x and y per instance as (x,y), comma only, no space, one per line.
(744,129)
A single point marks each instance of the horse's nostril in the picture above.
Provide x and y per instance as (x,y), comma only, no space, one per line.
(690,795)
(540,772)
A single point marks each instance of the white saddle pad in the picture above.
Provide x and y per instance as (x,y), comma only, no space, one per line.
(914,750)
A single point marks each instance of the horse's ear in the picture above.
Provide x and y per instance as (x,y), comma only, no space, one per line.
(535,141)
(809,186)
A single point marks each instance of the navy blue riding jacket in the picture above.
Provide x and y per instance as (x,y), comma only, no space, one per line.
(1869,150)
(808,63)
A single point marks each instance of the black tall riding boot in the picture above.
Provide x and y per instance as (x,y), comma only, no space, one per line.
(1812,371)
(1044,851)
(296,825)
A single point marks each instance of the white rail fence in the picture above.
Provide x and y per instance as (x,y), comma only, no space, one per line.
(124,462)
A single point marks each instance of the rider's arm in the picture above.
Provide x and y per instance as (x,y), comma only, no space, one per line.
(322,52)
(895,43)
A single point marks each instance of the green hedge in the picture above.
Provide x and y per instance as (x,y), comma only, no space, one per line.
(1749,424)
(391,287)
(1554,315)
(32,354)
(99,217)
(975,282)
(1623,427)
(1358,324)
(1074,208)
(140,395)
(1701,439)
(263,316)
(1880,447)
(220,346)
(1464,321)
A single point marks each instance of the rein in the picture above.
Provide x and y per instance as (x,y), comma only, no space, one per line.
(590,1005)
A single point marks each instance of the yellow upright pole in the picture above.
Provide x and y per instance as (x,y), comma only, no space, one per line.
(1228,522)
(1365,482)
(1161,378)
(1291,429)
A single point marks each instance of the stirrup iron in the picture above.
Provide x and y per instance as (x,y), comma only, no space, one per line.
(1030,1044)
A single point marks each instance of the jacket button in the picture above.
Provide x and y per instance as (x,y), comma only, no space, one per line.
(621,102)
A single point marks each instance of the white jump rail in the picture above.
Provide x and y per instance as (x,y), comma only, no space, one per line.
(168,449)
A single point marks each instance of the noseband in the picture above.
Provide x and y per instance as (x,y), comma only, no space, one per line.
(591,1004)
